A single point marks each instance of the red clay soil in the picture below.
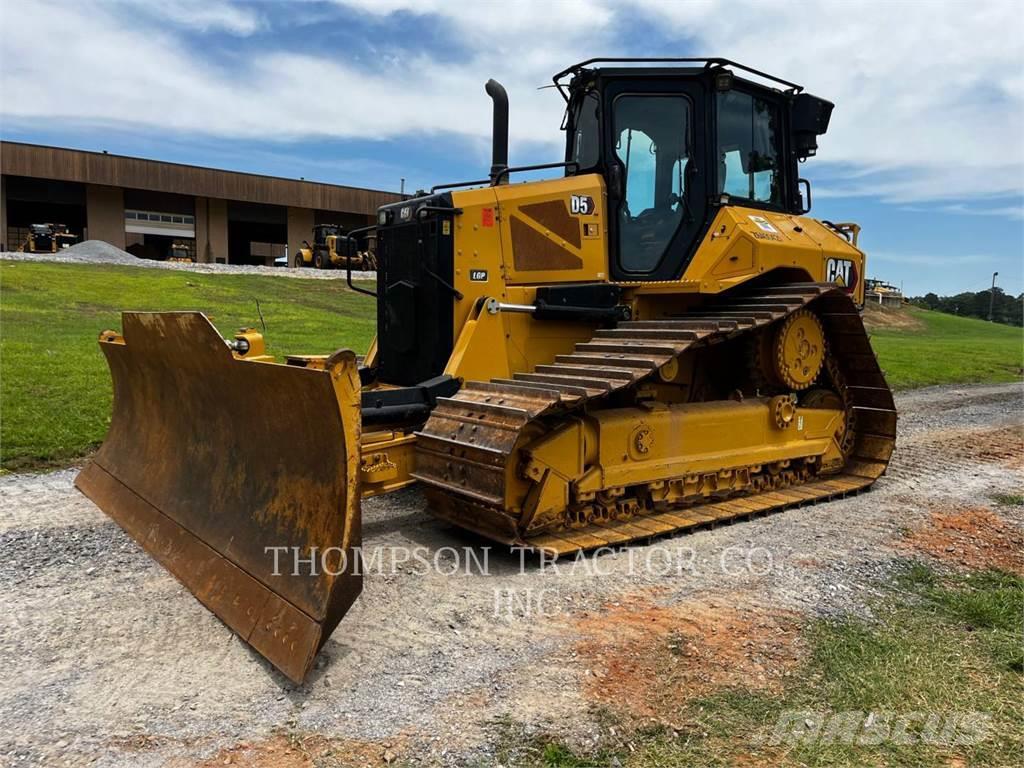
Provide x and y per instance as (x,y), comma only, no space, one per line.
(647,660)
(1000,446)
(975,538)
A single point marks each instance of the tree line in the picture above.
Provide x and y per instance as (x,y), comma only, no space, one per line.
(1005,308)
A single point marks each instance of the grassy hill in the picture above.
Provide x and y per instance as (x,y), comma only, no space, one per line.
(918,347)
(55,391)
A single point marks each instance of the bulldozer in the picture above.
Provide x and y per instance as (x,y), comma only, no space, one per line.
(331,248)
(654,339)
(48,238)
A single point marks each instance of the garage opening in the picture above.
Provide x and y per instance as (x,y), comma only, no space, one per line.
(257,233)
(42,201)
(159,226)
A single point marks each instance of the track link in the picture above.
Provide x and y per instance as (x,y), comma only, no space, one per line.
(464,452)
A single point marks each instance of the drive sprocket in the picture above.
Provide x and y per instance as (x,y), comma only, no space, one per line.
(799,350)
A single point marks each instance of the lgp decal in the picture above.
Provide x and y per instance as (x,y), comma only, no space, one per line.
(764,224)
(581,205)
(838,271)
(478,275)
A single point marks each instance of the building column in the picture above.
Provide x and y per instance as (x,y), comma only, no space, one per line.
(104,214)
(4,245)
(300,227)
(211,230)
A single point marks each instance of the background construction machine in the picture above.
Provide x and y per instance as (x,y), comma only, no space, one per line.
(655,340)
(48,238)
(332,248)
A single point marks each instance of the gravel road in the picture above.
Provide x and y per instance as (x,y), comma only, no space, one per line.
(99,252)
(108,661)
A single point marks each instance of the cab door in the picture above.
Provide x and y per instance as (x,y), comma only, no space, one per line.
(655,150)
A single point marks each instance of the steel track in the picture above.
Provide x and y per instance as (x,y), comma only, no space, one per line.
(465,450)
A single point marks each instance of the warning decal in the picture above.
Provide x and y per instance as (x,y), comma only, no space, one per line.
(763,223)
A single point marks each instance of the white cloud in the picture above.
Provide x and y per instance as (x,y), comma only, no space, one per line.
(1003,212)
(929,97)
(931,93)
(202,15)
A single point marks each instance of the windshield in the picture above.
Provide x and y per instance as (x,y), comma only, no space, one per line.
(748,155)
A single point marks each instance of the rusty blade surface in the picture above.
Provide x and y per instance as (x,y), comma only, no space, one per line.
(226,471)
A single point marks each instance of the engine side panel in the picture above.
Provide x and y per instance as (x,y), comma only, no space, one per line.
(554,231)
(746,243)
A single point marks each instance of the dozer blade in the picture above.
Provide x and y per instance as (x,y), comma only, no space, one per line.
(230,472)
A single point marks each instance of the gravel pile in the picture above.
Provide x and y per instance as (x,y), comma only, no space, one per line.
(99,252)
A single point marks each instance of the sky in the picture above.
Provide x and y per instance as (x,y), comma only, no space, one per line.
(925,149)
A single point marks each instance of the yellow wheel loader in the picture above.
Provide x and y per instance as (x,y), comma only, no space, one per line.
(331,248)
(657,339)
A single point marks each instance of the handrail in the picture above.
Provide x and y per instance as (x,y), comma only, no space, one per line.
(539,167)
(707,61)
(478,182)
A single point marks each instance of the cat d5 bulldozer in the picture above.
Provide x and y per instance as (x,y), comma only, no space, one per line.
(48,238)
(655,339)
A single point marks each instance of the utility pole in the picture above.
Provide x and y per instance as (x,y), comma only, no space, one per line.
(992,297)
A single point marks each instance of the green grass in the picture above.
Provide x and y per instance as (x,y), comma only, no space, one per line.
(55,391)
(939,644)
(1009,499)
(950,350)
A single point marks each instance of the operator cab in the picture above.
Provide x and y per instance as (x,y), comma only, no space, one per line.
(322,231)
(675,143)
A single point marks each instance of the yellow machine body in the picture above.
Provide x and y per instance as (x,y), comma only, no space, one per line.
(553,247)
(47,238)
(744,384)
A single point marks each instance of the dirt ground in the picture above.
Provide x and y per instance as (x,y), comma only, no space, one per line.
(107,661)
(896,318)
(648,659)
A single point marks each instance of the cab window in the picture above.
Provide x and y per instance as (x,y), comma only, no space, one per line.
(652,146)
(748,148)
(586,140)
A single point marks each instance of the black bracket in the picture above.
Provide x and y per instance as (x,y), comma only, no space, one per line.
(406,405)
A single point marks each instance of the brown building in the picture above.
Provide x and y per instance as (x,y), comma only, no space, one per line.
(146,206)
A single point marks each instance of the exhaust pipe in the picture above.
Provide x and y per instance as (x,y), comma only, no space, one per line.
(499,130)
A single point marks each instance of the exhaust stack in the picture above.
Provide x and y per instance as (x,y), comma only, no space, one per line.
(499,130)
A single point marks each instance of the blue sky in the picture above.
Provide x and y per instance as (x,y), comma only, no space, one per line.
(925,150)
